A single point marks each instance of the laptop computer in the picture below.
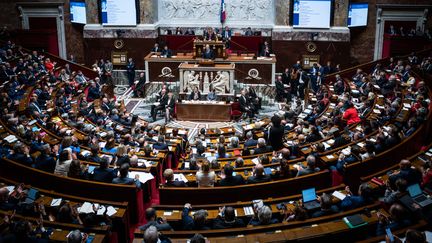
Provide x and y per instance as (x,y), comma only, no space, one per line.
(417,195)
(310,201)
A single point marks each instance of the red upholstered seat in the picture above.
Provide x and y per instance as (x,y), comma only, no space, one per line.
(235,110)
(337,178)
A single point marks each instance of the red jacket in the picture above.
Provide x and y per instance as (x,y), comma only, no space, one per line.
(351,116)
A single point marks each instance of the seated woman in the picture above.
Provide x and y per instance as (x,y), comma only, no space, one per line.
(212,96)
(205,177)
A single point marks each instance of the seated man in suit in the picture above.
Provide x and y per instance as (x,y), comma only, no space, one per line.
(124,179)
(227,219)
(258,175)
(250,142)
(168,175)
(103,173)
(262,147)
(311,167)
(156,48)
(195,94)
(246,105)
(228,179)
(198,222)
(166,52)
(46,161)
(160,144)
(93,91)
(208,53)
(263,216)
(169,107)
(327,207)
(152,220)
(162,100)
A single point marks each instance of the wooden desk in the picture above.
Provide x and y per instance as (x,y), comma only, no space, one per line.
(248,70)
(203,112)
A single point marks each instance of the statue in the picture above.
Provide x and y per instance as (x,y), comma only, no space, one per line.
(221,82)
(192,81)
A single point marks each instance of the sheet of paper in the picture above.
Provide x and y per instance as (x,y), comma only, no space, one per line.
(143,176)
(86,208)
(339,195)
(111,211)
(101,210)
(180,177)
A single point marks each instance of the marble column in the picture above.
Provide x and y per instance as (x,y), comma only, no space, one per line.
(340,13)
(282,12)
(92,11)
(148,11)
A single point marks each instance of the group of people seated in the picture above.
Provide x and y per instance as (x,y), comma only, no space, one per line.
(351,109)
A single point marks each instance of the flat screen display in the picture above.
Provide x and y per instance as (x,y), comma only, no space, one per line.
(78,12)
(358,14)
(118,12)
(312,14)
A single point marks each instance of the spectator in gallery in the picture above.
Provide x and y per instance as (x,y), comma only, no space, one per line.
(248,32)
(166,52)
(189,31)
(195,95)
(392,30)
(178,31)
(130,69)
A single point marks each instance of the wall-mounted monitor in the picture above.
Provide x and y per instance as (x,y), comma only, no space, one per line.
(78,12)
(358,14)
(312,13)
(118,12)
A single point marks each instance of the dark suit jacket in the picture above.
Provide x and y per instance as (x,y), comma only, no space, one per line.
(208,55)
(175,184)
(46,163)
(275,137)
(104,175)
(219,223)
(256,179)
(167,53)
(232,181)
(262,150)
(160,146)
(191,96)
(250,143)
(170,103)
(244,103)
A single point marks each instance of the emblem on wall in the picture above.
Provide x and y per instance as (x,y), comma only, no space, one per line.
(118,44)
(166,72)
(253,74)
(311,47)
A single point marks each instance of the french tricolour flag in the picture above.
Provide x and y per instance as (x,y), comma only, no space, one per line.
(222,13)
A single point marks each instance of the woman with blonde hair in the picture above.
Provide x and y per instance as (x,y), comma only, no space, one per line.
(205,177)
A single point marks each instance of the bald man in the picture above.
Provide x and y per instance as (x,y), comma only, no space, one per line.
(258,175)
(406,172)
